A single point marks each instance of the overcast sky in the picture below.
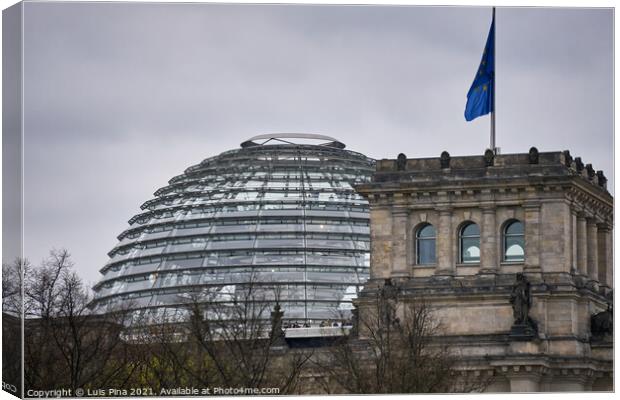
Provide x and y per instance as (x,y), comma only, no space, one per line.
(121,97)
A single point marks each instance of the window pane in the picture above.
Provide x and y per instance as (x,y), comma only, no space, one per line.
(427,231)
(470,250)
(515,228)
(514,248)
(471,230)
(426,251)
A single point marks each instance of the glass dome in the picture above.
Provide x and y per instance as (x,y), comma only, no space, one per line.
(279,212)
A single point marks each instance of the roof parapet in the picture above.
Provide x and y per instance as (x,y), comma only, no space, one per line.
(533,159)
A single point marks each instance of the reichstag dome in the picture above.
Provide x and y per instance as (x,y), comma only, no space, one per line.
(279,213)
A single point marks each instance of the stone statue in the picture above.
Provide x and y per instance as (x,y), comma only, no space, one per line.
(602,180)
(401,162)
(277,333)
(389,291)
(489,157)
(387,302)
(568,159)
(444,159)
(590,171)
(533,155)
(578,164)
(521,300)
(602,323)
(524,327)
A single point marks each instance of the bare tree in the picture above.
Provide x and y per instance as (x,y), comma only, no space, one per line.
(12,284)
(227,339)
(396,351)
(65,346)
(222,338)
(12,309)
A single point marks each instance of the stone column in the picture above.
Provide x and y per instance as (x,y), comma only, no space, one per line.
(603,262)
(488,241)
(592,249)
(445,256)
(582,245)
(399,243)
(532,238)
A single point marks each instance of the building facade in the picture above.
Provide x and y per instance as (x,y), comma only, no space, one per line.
(278,217)
(514,255)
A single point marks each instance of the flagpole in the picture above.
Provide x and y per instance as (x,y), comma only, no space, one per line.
(493,148)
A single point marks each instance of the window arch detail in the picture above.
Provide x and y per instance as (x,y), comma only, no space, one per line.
(469,243)
(513,241)
(425,245)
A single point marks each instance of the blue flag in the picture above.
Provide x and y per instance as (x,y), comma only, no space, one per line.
(480,95)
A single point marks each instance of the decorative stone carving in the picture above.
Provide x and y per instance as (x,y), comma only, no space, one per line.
(524,327)
(590,171)
(602,323)
(401,162)
(602,180)
(568,159)
(489,157)
(578,164)
(444,159)
(533,155)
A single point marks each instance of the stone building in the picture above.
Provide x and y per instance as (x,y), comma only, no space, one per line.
(514,254)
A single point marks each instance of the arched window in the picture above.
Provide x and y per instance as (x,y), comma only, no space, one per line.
(469,239)
(514,242)
(425,245)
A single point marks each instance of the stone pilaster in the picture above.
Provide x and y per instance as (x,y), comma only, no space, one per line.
(399,243)
(603,263)
(445,236)
(582,245)
(592,249)
(380,242)
(609,257)
(488,241)
(532,238)
(573,241)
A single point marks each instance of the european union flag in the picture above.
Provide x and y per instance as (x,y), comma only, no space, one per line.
(480,95)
